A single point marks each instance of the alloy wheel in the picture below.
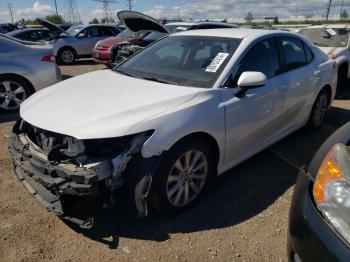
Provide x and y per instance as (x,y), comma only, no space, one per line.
(187,178)
(12,94)
(67,57)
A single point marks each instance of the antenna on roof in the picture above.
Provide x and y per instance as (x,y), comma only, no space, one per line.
(106,4)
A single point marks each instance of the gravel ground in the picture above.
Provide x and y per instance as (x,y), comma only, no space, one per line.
(242,218)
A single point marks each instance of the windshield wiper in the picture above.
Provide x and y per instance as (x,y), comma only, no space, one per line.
(159,80)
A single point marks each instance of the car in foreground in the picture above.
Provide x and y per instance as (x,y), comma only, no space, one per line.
(33,34)
(78,41)
(319,225)
(24,69)
(334,41)
(173,116)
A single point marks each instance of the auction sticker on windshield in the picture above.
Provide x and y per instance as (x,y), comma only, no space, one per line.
(216,63)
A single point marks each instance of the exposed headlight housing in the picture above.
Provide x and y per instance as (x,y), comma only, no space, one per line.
(331,190)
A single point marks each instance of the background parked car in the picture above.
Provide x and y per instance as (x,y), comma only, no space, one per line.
(101,52)
(139,22)
(24,69)
(333,40)
(33,34)
(7,27)
(319,220)
(78,41)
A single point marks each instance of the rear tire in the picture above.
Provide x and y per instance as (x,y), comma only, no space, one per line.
(319,110)
(66,56)
(13,91)
(182,176)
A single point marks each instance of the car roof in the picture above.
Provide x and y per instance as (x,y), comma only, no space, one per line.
(239,33)
(330,26)
(180,23)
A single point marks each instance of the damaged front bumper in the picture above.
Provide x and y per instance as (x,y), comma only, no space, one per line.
(56,184)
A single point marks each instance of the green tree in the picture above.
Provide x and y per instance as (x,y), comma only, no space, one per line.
(55,19)
(94,21)
(106,20)
(276,20)
(344,15)
(249,18)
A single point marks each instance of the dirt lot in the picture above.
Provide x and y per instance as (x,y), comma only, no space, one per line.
(242,218)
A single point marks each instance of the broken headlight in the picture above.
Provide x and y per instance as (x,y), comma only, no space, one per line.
(331,190)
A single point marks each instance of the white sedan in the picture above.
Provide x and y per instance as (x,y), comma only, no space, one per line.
(160,125)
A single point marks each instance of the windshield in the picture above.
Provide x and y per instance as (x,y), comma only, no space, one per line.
(171,28)
(75,29)
(127,33)
(195,61)
(327,37)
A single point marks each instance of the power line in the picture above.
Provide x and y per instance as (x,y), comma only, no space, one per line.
(71,13)
(106,5)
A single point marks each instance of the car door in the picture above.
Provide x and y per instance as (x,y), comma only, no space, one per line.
(88,41)
(251,119)
(302,77)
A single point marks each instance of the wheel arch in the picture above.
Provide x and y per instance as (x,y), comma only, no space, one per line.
(328,89)
(32,89)
(209,139)
(67,47)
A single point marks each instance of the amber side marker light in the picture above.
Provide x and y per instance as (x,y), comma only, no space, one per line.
(329,171)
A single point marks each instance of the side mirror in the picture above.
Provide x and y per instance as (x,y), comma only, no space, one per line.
(249,80)
(80,35)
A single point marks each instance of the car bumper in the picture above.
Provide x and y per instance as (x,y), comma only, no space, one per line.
(51,185)
(101,56)
(46,74)
(310,237)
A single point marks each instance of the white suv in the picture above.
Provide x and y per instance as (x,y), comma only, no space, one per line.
(333,40)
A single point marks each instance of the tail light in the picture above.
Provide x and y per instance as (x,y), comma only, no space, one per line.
(48,58)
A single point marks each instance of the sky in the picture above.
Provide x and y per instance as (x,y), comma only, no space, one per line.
(197,9)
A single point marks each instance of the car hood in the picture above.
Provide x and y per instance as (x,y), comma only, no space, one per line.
(50,26)
(330,50)
(111,41)
(101,104)
(138,22)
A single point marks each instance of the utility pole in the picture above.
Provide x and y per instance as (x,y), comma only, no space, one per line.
(130,4)
(56,8)
(10,6)
(328,10)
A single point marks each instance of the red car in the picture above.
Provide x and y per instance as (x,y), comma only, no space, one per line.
(101,53)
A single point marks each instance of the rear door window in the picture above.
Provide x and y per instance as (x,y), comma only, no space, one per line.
(294,54)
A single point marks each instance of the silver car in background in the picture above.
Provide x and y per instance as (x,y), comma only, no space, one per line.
(78,41)
(24,69)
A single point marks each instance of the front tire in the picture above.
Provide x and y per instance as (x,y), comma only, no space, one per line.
(182,176)
(66,56)
(319,110)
